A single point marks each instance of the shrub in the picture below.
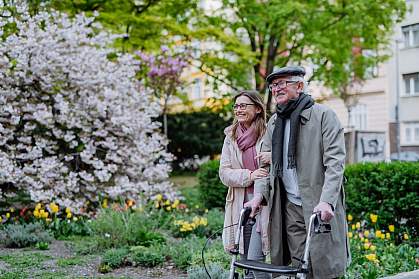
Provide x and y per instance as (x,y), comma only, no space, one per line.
(202,134)
(113,258)
(212,191)
(147,256)
(182,250)
(215,221)
(19,236)
(76,122)
(123,228)
(386,259)
(214,253)
(390,190)
(62,228)
(215,270)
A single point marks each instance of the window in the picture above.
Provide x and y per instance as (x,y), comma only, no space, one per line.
(411,84)
(358,117)
(411,35)
(196,89)
(410,133)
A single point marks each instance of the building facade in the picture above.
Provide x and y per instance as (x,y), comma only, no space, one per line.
(388,102)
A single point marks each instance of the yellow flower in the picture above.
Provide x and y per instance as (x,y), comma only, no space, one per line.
(156,204)
(130,203)
(206,210)
(36,213)
(371,257)
(75,219)
(7,215)
(382,236)
(366,240)
(45,214)
(378,234)
(203,221)
(54,208)
(159,197)
(350,218)
(167,202)
(1,219)
(373,247)
(68,210)
(175,203)
(367,246)
(387,235)
(105,203)
(373,218)
(391,228)
(366,233)
(168,208)
(358,225)
(353,227)
(69,215)
(405,236)
(350,234)
(38,206)
(12,209)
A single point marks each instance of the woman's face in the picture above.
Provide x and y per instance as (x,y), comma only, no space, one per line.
(245,110)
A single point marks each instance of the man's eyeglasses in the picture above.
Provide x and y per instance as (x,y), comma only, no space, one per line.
(241,106)
(281,84)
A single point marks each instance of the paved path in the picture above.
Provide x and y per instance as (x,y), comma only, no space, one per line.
(405,275)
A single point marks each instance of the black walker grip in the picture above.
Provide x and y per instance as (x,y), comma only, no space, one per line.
(246,217)
(320,226)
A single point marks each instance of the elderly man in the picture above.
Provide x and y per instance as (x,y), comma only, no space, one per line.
(308,154)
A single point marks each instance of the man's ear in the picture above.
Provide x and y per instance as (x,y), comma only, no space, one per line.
(300,87)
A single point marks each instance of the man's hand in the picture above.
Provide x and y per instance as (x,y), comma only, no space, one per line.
(254,204)
(265,158)
(326,212)
(259,173)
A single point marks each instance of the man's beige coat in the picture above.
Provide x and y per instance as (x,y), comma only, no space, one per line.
(320,166)
(237,178)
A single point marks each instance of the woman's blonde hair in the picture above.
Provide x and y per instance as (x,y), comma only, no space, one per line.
(259,122)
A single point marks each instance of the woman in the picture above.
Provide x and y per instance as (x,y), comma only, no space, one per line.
(240,166)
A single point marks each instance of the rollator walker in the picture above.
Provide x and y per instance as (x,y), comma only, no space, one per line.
(315,226)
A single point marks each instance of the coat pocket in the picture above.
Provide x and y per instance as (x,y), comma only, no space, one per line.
(230,195)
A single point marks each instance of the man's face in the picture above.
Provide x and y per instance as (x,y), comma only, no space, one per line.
(284,89)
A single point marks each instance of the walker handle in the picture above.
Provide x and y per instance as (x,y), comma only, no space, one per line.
(319,225)
(246,217)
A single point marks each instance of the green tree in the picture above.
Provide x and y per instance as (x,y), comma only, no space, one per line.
(322,33)
(147,24)
(238,42)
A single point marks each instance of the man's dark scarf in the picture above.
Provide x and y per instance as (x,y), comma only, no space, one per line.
(291,110)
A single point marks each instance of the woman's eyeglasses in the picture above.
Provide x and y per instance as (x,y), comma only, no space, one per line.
(242,106)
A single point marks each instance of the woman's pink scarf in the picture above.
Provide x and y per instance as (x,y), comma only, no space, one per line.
(246,140)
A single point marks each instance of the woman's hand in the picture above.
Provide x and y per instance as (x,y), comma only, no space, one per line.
(259,173)
(254,204)
(264,157)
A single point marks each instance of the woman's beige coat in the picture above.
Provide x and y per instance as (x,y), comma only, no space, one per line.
(236,178)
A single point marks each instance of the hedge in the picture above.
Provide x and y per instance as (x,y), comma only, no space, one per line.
(195,133)
(390,190)
(212,191)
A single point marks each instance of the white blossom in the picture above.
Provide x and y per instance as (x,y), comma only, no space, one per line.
(75,125)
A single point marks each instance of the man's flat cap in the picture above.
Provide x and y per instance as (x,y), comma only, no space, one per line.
(286,71)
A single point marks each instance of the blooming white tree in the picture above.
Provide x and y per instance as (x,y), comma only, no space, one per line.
(75,123)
